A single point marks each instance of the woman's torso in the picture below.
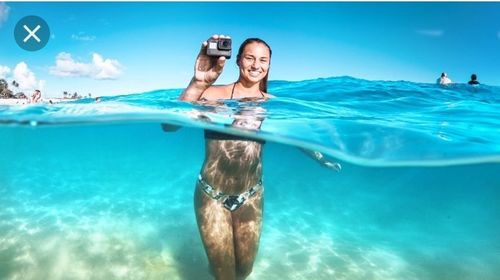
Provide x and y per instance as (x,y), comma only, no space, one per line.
(233,163)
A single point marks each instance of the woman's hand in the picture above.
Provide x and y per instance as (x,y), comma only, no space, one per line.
(333,165)
(207,68)
(318,156)
(206,71)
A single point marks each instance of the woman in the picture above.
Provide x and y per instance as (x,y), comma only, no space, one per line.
(229,191)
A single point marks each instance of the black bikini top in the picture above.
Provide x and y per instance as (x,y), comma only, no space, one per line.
(234,85)
(215,135)
(232,93)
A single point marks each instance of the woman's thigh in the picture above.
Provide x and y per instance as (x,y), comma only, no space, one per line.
(216,230)
(247,225)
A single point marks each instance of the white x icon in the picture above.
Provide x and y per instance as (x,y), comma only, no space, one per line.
(31,33)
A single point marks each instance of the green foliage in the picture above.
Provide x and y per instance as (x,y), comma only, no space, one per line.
(5,92)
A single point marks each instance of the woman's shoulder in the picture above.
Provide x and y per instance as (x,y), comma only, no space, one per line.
(216,92)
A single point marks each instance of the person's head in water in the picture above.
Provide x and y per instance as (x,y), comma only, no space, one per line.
(254,60)
(473,80)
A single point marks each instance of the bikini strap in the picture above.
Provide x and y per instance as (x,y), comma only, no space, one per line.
(232,91)
(234,85)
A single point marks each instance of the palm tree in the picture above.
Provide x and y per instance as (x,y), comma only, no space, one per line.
(16,85)
(65,94)
(3,84)
(5,92)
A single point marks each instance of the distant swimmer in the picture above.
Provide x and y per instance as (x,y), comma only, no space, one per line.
(35,98)
(473,80)
(443,80)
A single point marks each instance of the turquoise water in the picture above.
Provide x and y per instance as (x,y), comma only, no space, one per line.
(98,190)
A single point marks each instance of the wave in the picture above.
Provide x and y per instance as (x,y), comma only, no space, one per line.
(381,123)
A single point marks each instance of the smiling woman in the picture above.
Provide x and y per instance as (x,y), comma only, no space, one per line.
(253,59)
(229,189)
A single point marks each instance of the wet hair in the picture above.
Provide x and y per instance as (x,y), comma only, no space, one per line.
(473,77)
(263,83)
(443,75)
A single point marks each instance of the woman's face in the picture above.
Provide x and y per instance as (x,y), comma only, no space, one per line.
(254,62)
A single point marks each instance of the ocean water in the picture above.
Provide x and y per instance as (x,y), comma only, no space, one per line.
(99,191)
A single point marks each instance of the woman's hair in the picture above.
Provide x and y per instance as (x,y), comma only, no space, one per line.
(263,83)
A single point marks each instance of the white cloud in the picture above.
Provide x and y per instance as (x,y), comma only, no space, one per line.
(82,37)
(41,85)
(431,32)
(4,13)
(107,68)
(99,68)
(26,78)
(4,70)
(67,67)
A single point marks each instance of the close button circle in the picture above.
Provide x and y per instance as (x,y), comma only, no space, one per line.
(32,33)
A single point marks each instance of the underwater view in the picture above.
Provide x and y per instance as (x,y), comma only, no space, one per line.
(98,190)
(249,140)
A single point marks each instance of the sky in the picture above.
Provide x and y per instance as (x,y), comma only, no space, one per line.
(123,48)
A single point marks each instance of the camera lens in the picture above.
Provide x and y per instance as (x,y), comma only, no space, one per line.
(224,44)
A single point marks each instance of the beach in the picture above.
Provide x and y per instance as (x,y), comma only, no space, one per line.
(14,101)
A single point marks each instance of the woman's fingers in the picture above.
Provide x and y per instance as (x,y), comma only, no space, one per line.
(205,63)
(220,64)
(203,49)
(334,165)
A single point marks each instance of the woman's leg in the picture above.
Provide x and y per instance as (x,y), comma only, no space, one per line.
(247,224)
(216,230)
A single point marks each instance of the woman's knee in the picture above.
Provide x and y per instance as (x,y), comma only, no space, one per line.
(243,270)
